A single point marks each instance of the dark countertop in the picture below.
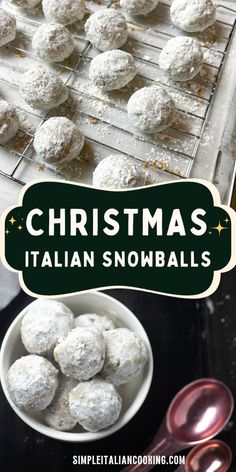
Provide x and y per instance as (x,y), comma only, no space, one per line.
(190,339)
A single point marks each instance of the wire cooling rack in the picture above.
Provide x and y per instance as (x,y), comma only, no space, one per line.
(180,152)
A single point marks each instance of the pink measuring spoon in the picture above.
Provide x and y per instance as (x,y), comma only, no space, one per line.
(196,414)
(212,456)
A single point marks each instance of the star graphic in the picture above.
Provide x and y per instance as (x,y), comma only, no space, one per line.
(210,232)
(19,228)
(219,228)
(7,231)
(12,220)
(227,220)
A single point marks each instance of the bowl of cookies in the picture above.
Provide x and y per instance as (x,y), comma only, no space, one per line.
(76,368)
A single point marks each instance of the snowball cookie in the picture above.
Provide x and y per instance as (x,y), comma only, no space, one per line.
(42,89)
(7,27)
(139,7)
(44,324)
(58,140)
(81,354)
(112,70)
(9,121)
(194,15)
(24,4)
(126,355)
(151,109)
(99,322)
(57,415)
(95,404)
(107,29)
(182,58)
(53,42)
(32,382)
(64,12)
(117,172)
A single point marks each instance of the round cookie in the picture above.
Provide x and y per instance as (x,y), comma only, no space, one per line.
(151,109)
(44,324)
(7,27)
(139,7)
(58,140)
(117,172)
(193,16)
(24,4)
(107,29)
(95,404)
(81,354)
(32,382)
(42,89)
(64,12)
(102,323)
(181,58)
(126,356)
(53,42)
(112,70)
(9,121)
(57,415)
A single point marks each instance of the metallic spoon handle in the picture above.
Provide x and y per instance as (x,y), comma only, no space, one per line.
(162,444)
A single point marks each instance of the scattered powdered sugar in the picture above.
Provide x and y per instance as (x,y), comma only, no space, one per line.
(96,404)
(210,305)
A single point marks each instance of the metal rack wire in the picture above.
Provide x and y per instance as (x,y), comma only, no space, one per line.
(172,153)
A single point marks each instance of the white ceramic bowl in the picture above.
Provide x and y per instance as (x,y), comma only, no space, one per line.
(133,393)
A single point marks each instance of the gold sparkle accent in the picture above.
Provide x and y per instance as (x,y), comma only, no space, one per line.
(12,220)
(219,228)
(19,227)
(7,231)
